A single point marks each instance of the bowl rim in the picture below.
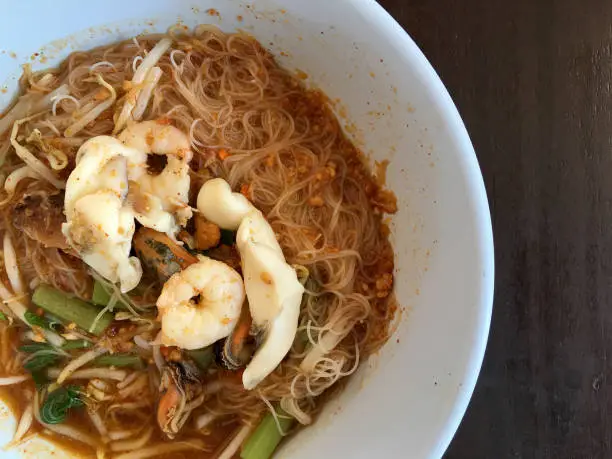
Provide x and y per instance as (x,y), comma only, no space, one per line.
(405,46)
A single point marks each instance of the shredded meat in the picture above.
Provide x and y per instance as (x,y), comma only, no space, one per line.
(40,217)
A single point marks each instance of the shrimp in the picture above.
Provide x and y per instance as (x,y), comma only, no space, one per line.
(200,305)
(163,197)
(99,224)
(272,288)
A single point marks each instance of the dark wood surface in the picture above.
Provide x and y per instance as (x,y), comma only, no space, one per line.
(532,81)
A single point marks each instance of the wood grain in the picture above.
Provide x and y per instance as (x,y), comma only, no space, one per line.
(532,81)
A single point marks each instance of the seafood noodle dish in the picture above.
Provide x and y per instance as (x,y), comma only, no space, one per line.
(194,255)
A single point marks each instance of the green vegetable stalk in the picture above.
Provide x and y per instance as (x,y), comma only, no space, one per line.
(262,443)
(71,309)
(100,296)
(76,344)
(119,360)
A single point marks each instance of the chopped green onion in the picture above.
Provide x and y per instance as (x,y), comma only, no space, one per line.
(202,357)
(119,360)
(58,403)
(71,309)
(227,237)
(100,296)
(262,443)
(77,344)
(3,316)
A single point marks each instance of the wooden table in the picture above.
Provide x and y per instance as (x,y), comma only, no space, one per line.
(532,80)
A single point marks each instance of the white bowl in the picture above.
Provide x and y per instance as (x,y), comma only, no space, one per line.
(407,401)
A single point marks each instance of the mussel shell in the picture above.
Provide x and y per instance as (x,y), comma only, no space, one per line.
(184,374)
(231,359)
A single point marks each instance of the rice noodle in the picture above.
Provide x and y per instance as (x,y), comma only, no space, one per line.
(236,442)
(77,363)
(172,59)
(101,64)
(151,80)
(88,373)
(109,307)
(130,445)
(273,413)
(31,160)
(159,449)
(94,112)
(115,292)
(11,266)
(291,407)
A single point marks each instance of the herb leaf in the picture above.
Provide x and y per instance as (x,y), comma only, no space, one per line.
(42,356)
(40,378)
(40,361)
(35,347)
(35,320)
(59,402)
(3,316)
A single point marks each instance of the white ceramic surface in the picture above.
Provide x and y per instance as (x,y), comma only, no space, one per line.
(409,400)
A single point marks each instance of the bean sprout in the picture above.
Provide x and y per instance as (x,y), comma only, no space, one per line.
(58,99)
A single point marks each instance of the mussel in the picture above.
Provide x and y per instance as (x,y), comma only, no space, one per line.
(160,254)
(182,392)
(235,351)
